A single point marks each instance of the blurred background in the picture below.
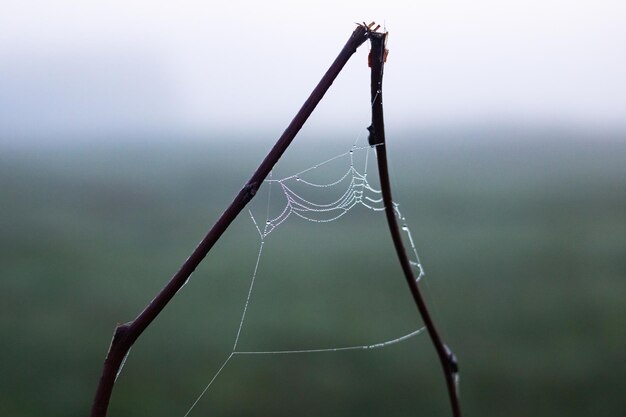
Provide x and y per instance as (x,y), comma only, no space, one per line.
(127,127)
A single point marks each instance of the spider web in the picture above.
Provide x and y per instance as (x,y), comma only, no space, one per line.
(349,189)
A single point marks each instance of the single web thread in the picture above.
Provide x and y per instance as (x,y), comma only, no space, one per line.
(353,190)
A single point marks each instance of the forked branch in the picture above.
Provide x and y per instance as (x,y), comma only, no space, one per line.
(126,335)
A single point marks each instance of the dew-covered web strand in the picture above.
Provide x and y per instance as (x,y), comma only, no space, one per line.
(335,349)
(245,308)
(358,192)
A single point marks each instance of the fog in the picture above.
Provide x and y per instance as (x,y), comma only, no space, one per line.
(76,70)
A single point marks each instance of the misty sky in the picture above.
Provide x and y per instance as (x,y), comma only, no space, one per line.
(149,66)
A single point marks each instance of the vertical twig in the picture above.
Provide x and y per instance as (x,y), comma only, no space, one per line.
(126,334)
(377,137)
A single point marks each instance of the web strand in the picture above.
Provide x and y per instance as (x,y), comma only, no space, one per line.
(336,349)
(353,190)
(208,385)
(245,308)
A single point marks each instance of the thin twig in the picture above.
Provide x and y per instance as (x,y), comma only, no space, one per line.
(377,137)
(126,334)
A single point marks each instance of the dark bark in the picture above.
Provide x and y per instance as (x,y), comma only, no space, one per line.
(126,334)
(377,138)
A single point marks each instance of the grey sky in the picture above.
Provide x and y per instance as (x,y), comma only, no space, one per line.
(195,66)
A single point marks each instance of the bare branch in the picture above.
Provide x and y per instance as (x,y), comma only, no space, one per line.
(448,361)
(126,334)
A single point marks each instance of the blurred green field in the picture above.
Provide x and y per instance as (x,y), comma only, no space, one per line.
(523,238)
